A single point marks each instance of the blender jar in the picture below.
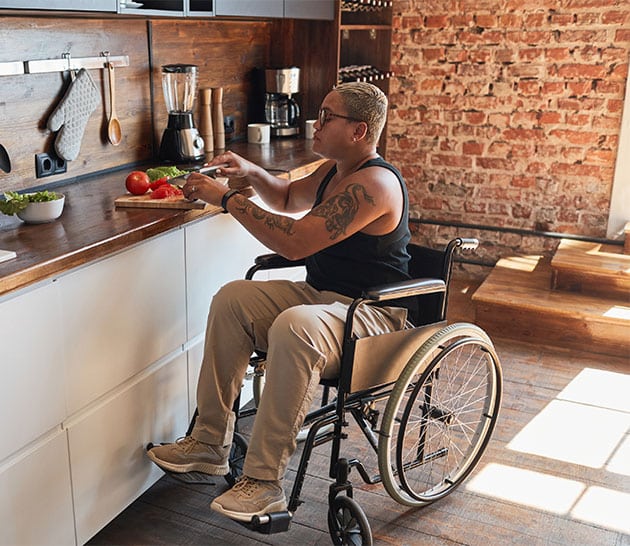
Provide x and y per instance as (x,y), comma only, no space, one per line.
(179,83)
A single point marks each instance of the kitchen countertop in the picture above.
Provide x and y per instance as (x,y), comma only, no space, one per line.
(91,227)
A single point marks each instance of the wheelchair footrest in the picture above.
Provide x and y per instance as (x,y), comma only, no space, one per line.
(276,522)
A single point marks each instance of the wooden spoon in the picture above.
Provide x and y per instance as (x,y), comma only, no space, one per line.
(114,131)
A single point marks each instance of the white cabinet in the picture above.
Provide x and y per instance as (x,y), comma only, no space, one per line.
(218,250)
(122,314)
(110,468)
(96,364)
(35,498)
(32,367)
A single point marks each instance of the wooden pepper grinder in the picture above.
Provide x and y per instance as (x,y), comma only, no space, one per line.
(205,124)
(217,118)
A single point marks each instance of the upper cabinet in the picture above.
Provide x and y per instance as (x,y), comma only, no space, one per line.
(310,9)
(68,5)
(250,8)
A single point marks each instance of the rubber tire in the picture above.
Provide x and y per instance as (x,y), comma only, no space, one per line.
(424,361)
(347,523)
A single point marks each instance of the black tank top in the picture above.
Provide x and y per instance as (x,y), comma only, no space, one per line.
(362,261)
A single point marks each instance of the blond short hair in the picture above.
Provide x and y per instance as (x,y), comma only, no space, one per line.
(365,102)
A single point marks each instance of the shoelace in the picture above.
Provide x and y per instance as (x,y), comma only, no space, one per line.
(246,486)
(187,443)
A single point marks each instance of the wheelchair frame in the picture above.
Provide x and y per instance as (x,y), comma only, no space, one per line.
(424,362)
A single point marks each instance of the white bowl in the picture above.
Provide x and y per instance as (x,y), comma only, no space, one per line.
(45,211)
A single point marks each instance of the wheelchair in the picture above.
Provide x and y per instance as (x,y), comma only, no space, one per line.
(426,398)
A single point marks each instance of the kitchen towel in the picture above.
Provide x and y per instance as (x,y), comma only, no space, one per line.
(72,114)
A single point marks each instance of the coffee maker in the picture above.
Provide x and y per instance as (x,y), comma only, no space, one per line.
(281,110)
(181,142)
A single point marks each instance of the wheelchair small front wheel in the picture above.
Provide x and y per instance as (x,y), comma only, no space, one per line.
(237,458)
(440,415)
(348,523)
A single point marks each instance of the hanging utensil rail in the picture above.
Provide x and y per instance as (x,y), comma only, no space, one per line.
(11,68)
(66,62)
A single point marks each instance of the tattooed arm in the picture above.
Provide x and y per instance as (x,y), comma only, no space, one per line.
(369,201)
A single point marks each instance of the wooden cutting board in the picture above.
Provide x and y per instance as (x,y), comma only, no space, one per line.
(145,201)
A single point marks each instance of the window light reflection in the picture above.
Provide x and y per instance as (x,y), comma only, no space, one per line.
(526,487)
(605,507)
(573,433)
(618,311)
(599,388)
(520,263)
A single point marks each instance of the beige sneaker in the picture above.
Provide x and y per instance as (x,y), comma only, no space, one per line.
(190,455)
(249,498)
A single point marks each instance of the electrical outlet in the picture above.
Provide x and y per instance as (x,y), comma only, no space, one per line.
(228,125)
(49,164)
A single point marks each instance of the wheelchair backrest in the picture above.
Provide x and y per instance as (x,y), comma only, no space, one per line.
(435,264)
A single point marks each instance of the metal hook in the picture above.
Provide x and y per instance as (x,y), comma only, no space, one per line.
(73,72)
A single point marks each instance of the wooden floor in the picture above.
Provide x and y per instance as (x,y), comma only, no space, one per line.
(557,471)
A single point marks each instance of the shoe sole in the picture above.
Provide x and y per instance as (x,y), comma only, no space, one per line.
(204,468)
(278,506)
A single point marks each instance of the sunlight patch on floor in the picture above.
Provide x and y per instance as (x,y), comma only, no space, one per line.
(574,433)
(526,487)
(620,461)
(587,424)
(604,507)
(599,388)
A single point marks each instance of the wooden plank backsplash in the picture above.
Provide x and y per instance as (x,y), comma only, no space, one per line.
(229,54)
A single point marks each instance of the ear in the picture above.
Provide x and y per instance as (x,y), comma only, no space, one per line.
(360,131)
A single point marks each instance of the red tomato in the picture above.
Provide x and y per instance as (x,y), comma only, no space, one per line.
(159,182)
(137,183)
(166,190)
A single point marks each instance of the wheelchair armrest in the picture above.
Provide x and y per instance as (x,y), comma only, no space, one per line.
(271,261)
(404,289)
(275,261)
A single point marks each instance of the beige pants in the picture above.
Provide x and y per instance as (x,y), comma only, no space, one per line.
(301,330)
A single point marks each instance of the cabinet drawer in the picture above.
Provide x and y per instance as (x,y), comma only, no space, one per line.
(121,315)
(32,386)
(36,499)
(110,468)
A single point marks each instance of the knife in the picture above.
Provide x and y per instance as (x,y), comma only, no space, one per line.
(208,171)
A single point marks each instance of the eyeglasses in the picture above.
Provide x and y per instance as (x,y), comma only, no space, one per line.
(324,116)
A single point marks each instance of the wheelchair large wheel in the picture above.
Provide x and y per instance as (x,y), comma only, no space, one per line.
(440,415)
(347,522)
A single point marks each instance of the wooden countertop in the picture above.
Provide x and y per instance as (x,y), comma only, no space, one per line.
(91,227)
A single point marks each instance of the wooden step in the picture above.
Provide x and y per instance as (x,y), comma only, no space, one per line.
(516,301)
(592,268)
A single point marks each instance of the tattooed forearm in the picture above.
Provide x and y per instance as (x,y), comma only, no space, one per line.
(272,221)
(340,210)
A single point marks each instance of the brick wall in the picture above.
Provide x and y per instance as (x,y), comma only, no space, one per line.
(507,113)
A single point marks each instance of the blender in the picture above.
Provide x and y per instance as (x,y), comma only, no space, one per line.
(181,141)
(281,109)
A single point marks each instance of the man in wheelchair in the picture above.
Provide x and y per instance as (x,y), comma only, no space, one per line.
(353,236)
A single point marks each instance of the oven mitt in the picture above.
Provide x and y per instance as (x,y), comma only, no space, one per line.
(72,114)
